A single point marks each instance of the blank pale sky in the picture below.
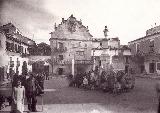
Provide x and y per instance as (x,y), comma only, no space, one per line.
(126,19)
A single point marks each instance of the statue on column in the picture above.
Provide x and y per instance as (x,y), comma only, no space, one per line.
(105,32)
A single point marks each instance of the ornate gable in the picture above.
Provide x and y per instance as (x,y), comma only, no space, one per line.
(71,29)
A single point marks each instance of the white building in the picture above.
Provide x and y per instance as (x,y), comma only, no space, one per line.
(15,48)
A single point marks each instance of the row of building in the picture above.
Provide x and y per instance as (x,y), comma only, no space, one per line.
(71,41)
(15,49)
(73,49)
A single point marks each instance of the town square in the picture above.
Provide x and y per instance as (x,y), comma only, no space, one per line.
(79,57)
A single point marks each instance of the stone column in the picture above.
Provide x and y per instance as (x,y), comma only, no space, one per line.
(73,63)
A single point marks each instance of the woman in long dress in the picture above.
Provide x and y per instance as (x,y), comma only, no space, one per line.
(18,97)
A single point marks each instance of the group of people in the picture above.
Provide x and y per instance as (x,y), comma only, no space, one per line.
(108,81)
(29,86)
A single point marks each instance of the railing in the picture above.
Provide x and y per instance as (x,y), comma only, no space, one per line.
(65,62)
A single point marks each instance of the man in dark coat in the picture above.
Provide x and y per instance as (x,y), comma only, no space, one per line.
(40,83)
(31,93)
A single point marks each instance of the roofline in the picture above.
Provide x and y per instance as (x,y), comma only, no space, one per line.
(68,39)
(144,37)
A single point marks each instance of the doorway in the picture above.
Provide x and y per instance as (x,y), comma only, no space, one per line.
(60,71)
(151,67)
(142,68)
(126,68)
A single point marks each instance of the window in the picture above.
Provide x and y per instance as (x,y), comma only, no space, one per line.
(60,57)
(7,46)
(80,53)
(126,68)
(6,31)
(12,47)
(100,43)
(22,49)
(16,48)
(158,65)
(25,51)
(11,62)
(137,48)
(152,43)
(19,48)
(79,44)
(151,46)
(100,63)
(60,45)
(127,60)
(0,43)
(73,45)
(10,58)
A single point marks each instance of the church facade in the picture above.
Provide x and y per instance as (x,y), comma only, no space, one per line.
(71,45)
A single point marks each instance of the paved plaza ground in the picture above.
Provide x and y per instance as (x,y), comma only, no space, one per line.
(59,98)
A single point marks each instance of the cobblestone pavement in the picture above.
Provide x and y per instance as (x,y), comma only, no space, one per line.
(59,98)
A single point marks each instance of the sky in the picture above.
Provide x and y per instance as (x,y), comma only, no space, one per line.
(126,19)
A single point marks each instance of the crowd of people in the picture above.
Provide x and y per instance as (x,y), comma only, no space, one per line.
(108,81)
(25,86)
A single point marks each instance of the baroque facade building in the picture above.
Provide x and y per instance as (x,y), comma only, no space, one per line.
(146,52)
(71,45)
(15,48)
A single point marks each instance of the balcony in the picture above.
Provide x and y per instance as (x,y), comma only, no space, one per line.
(62,49)
(23,55)
(11,63)
(84,62)
(62,62)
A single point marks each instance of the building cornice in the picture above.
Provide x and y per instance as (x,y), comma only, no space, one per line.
(158,33)
(65,39)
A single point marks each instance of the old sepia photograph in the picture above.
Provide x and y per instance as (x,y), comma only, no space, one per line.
(79,56)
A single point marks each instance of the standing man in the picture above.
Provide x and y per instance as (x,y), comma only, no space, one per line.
(31,93)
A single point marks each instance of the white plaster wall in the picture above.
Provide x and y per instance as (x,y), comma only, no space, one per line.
(113,43)
(3,60)
(39,58)
(158,71)
(96,52)
(113,52)
(95,44)
(126,52)
(118,66)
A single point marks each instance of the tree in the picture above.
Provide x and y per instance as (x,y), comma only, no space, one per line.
(24,68)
